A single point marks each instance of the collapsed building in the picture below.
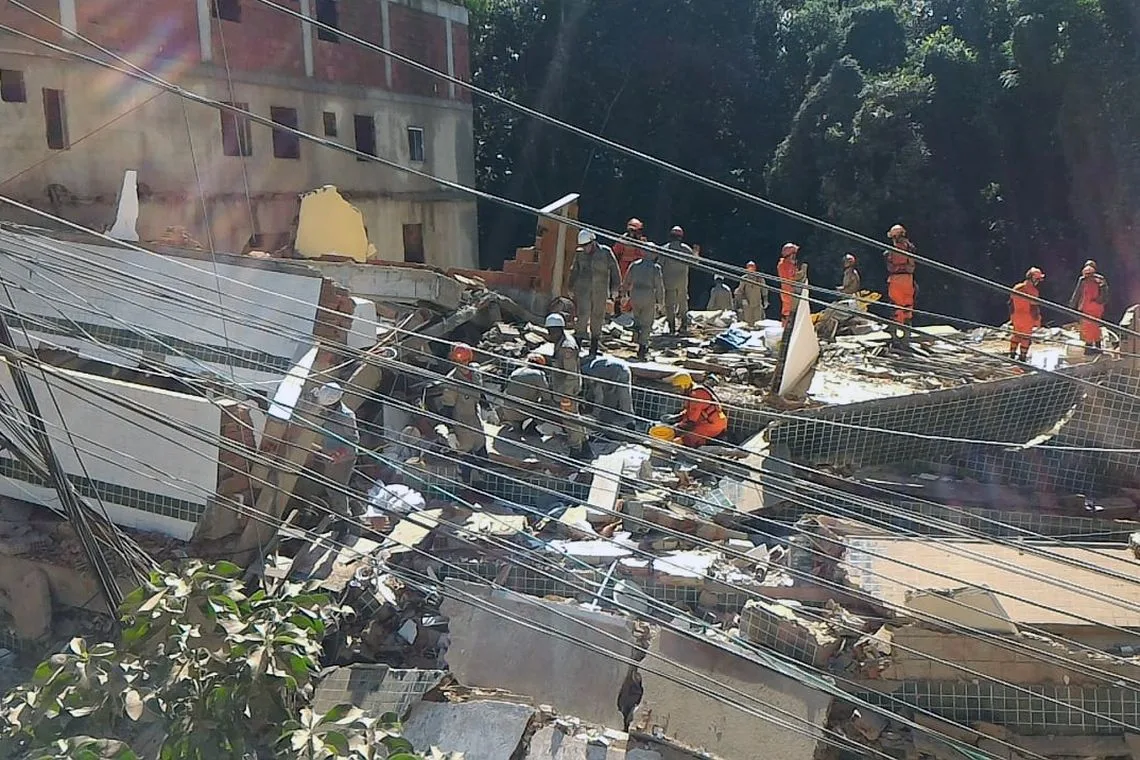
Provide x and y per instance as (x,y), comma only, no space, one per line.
(839,573)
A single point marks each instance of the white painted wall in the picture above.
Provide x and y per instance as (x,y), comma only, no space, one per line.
(177,297)
(116,442)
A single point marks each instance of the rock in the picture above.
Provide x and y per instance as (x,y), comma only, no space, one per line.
(495,649)
(480,730)
(671,708)
(869,724)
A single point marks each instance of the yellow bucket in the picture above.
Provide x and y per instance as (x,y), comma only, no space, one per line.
(662,432)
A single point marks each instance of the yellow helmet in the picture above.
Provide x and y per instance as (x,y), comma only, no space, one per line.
(682,381)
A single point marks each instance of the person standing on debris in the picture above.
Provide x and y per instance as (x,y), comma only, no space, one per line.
(338,447)
(1024,313)
(627,249)
(702,418)
(594,278)
(609,388)
(1090,298)
(529,384)
(566,382)
(852,280)
(646,288)
(901,288)
(752,294)
(675,271)
(793,276)
(462,392)
(720,297)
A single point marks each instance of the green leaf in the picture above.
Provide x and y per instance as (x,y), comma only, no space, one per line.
(226,569)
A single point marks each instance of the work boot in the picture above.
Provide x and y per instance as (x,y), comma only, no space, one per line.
(1013,354)
(593,346)
(1024,356)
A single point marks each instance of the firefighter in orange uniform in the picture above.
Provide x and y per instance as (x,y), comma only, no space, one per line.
(627,254)
(1024,313)
(791,273)
(702,419)
(900,275)
(1089,298)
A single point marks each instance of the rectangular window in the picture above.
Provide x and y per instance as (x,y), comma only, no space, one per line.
(327,14)
(285,144)
(55,115)
(414,243)
(416,144)
(12,88)
(237,138)
(226,10)
(365,135)
(330,123)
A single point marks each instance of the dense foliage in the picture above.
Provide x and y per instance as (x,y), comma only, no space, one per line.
(1001,132)
(203,670)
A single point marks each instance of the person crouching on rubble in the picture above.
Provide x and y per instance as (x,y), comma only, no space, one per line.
(528,384)
(462,391)
(609,390)
(338,447)
(702,418)
(1024,313)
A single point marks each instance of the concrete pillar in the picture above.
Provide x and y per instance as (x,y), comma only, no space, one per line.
(1129,343)
(205,30)
(68,18)
(386,38)
(307,37)
(450,60)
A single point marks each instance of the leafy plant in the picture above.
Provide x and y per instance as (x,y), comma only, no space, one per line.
(202,671)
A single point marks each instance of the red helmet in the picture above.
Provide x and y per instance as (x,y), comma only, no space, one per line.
(789,249)
(634,225)
(677,231)
(849,259)
(1033,274)
(461,353)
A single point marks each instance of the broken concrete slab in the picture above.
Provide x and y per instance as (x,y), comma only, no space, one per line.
(720,728)
(550,743)
(495,649)
(375,689)
(778,627)
(480,730)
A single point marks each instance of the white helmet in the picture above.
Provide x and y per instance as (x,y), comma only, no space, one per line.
(586,236)
(329,394)
(555,320)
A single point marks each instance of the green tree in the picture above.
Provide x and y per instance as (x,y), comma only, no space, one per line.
(202,670)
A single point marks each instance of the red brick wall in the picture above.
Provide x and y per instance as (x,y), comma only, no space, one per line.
(159,29)
(20,19)
(421,37)
(461,44)
(266,39)
(346,61)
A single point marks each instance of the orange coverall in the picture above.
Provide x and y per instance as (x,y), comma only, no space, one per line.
(787,270)
(900,282)
(1089,299)
(702,419)
(626,255)
(1024,314)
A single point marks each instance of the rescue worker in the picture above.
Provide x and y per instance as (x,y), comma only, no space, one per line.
(901,288)
(529,384)
(594,278)
(1024,313)
(791,273)
(462,395)
(566,382)
(720,297)
(702,419)
(675,272)
(752,295)
(609,388)
(1090,298)
(852,280)
(338,446)
(646,289)
(625,250)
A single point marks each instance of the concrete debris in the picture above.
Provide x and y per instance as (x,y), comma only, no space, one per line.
(480,730)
